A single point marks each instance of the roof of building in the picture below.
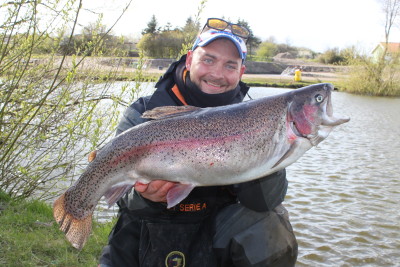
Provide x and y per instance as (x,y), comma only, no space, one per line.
(391,47)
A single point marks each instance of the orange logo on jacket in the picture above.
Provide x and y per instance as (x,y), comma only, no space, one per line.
(192,207)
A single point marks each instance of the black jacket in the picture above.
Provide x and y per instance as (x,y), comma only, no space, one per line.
(260,195)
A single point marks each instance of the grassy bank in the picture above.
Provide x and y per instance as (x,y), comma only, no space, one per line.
(29,236)
(274,82)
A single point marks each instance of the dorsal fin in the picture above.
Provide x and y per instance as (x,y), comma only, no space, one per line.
(168,112)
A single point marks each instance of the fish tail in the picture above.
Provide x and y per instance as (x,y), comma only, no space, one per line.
(76,230)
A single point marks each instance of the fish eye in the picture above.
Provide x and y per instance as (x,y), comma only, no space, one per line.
(319,98)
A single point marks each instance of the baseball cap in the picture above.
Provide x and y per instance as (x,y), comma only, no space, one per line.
(209,35)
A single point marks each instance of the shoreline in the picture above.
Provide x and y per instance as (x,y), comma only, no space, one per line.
(125,69)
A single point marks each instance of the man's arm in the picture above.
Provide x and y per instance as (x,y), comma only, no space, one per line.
(157,190)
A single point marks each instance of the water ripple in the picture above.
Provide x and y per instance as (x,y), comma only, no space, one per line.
(343,195)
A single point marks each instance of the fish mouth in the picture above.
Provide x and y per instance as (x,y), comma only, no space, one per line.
(295,130)
(320,132)
(314,138)
(317,136)
(328,119)
(332,121)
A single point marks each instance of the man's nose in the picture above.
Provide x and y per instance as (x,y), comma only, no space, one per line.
(218,71)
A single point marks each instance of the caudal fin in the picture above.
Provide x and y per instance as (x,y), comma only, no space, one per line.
(77,231)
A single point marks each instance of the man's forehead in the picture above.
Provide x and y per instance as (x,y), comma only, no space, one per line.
(212,48)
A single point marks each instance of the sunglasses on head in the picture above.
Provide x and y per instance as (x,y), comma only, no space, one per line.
(221,25)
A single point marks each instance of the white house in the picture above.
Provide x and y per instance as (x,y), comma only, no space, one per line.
(392,49)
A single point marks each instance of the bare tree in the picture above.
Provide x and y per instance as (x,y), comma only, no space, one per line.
(391,11)
(386,66)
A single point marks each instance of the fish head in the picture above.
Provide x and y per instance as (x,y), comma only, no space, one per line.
(310,113)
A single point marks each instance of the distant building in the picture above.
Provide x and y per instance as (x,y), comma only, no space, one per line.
(392,49)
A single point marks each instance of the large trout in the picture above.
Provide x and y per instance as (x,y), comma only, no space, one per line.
(199,147)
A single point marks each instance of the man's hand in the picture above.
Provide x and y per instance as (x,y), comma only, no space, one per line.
(155,191)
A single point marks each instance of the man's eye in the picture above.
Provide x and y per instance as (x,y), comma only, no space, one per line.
(207,61)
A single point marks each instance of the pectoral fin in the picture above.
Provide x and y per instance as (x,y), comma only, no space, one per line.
(116,192)
(178,193)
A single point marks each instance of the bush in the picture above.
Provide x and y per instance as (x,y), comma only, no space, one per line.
(331,56)
(339,57)
(51,112)
(373,78)
(162,45)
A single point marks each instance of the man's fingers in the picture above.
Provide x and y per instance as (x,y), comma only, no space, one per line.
(139,187)
(163,190)
(155,191)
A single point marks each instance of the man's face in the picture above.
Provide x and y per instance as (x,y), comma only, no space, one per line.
(215,68)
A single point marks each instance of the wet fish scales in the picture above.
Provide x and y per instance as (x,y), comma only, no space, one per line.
(199,147)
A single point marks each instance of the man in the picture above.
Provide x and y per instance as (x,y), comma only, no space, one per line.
(239,225)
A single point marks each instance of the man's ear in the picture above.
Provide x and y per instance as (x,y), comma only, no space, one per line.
(189,58)
(242,70)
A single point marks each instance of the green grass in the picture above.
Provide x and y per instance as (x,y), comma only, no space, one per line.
(29,236)
(270,82)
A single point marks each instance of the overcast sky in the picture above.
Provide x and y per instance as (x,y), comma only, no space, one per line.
(315,24)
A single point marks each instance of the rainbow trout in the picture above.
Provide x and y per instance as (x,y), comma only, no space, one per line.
(199,147)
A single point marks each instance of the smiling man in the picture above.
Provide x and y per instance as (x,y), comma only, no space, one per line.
(215,68)
(239,225)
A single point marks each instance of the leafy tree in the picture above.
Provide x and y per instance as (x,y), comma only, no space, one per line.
(167,27)
(331,56)
(162,45)
(152,26)
(266,50)
(191,27)
(95,39)
(349,54)
(190,32)
(168,43)
(190,35)
(283,48)
(148,45)
(253,42)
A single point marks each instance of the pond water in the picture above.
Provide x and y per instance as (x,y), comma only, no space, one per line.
(344,195)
